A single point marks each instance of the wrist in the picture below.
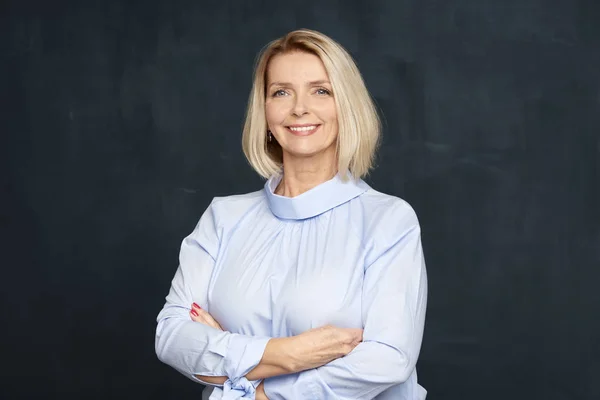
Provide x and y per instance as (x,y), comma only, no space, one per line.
(260,392)
(295,354)
(284,353)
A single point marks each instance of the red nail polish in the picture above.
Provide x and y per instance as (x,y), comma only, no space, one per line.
(196,305)
(194,313)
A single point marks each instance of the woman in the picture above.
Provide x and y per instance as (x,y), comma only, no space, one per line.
(315,287)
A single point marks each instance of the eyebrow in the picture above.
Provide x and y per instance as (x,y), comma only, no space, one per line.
(312,83)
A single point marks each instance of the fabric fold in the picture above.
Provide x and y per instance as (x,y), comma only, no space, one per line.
(239,388)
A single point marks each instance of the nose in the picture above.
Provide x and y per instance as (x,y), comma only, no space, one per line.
(299,108)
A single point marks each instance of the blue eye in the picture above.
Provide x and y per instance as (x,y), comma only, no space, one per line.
(322,91)
(279,93)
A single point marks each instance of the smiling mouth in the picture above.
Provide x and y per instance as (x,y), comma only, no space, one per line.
(304,130)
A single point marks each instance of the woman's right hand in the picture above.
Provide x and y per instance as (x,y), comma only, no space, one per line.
(319,346)
(197,314)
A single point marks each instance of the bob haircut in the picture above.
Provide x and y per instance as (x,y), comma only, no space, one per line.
(358,122)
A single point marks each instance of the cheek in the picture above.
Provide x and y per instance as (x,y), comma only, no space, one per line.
(328,113)
(275,112)
(333,123)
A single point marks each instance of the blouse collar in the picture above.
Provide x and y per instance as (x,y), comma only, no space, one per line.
(315,201)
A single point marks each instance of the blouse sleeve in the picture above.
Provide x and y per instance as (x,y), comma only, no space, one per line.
(394,299)
(193,348)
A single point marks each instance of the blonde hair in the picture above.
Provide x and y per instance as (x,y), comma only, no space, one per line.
(358,122)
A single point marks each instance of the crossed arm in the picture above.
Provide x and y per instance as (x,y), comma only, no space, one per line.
(283,356)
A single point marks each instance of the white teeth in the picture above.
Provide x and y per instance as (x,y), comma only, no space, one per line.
(303,129)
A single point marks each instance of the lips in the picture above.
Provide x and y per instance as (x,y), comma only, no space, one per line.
(303,130)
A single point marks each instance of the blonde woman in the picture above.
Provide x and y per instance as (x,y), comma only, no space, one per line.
(314,287)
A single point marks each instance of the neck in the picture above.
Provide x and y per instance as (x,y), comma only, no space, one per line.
(300,176)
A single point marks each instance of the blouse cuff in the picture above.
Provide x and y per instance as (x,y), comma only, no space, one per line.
(244,353)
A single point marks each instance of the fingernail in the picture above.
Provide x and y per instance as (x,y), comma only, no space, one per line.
(196,305)
(194,313)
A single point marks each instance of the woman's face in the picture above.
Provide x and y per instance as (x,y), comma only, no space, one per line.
(299,106)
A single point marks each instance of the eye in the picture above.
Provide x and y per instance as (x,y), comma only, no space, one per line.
(323,92)
(279,93)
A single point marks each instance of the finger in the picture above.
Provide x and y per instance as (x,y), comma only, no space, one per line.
(218,326)
(200,315)
(196,317)
(358,332)
(211,321)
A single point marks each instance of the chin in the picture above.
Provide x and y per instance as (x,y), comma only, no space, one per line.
(305,151)
(307,148)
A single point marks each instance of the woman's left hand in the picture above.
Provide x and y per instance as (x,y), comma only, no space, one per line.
(197,314)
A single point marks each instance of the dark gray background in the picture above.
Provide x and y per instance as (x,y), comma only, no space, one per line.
(122,119)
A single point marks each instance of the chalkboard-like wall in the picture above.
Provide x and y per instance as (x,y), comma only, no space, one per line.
(122,119)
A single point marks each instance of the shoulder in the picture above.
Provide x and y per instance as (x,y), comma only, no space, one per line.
(385,218)
(230,208)
(238,200)
(384,207)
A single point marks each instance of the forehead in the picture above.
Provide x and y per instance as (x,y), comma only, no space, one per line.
(296,67)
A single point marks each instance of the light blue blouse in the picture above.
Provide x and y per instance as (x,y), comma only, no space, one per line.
(266,266)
